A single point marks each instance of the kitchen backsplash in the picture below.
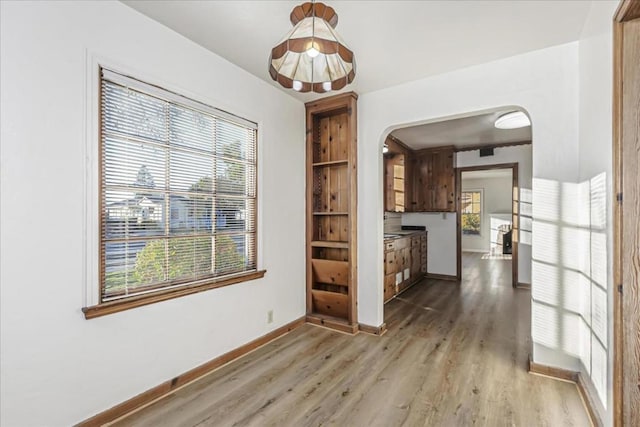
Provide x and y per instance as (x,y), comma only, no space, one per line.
(392,222)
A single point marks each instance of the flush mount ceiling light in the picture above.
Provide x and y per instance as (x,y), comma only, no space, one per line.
(312,56)
(513,120)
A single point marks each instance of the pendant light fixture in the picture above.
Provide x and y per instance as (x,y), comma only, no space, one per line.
(312,56)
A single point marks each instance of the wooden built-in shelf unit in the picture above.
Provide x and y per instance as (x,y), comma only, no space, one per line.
(331,212)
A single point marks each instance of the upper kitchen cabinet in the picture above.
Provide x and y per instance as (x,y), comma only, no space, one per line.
(433,180)
(397,176)
(394,178)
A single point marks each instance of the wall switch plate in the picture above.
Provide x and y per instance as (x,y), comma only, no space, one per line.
(270,316)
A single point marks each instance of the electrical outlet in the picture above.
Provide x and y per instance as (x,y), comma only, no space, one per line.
(270,316)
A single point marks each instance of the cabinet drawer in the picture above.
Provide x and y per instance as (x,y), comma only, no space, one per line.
(402,243)
(415,242)
(389,246)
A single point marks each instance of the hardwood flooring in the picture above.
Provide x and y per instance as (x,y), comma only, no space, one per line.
(454,355)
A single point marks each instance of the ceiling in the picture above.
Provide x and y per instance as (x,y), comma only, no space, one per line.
(493,173)
(394,41)
(461,132)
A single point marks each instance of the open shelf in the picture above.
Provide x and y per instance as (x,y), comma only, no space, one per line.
(329,244)
(331,213)
(332,163)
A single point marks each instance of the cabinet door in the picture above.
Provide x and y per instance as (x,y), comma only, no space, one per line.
(416,259)
(394,183)
(443,180)
(433,181)
(421,200)
(406,266)
(389,194)
(389,286)
(409,197)
(389,263)
(423,253)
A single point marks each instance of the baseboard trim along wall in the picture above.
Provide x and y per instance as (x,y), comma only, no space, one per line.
(589,403)
(166,387)
(374,330)
(574,377)
(441,277)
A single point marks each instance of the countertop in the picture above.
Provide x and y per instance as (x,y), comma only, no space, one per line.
(400,234)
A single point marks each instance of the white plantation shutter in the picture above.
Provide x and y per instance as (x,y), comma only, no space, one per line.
(178,190)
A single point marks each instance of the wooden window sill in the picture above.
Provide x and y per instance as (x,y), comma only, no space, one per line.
(163,295)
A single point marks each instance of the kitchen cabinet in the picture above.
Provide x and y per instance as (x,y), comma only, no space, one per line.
(405,262)
(394,179)
(434,181)
(397,176)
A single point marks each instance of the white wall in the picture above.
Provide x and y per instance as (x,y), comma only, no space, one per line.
(595,174)
(58,368)
(441,248)
(545,84)
(523,155)
(496,198)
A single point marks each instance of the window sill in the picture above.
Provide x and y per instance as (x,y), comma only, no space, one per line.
(151,298)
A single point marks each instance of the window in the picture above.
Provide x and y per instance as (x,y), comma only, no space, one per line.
(178,191)
(471,212)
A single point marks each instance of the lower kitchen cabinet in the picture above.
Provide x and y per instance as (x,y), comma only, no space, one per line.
(405,262)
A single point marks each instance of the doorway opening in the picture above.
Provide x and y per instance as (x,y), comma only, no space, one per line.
(421,164)
(487,217)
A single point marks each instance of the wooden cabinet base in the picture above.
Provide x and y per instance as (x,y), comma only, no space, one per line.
(403,289)
(334,323)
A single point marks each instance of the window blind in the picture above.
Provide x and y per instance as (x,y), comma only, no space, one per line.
(178,190)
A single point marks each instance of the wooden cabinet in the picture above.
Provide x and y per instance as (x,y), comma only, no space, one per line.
(433,180)
(405,263)
(397,176)
(394,182)
(331,212)
(419,181)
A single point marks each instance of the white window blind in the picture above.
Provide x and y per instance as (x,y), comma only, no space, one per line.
(178,190)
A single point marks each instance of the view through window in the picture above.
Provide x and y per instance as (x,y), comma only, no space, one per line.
(178,190)
(471,212)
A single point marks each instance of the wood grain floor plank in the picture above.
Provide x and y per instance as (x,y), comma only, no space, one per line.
(454,354)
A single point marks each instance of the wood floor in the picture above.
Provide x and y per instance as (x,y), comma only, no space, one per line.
(454,355)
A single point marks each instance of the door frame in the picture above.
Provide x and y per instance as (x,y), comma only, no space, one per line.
(515,199)
(627,10)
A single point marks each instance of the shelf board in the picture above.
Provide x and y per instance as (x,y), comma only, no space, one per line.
(331,213)
(329,244)
(332,163)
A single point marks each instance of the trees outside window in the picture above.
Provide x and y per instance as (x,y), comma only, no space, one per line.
(471,212)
